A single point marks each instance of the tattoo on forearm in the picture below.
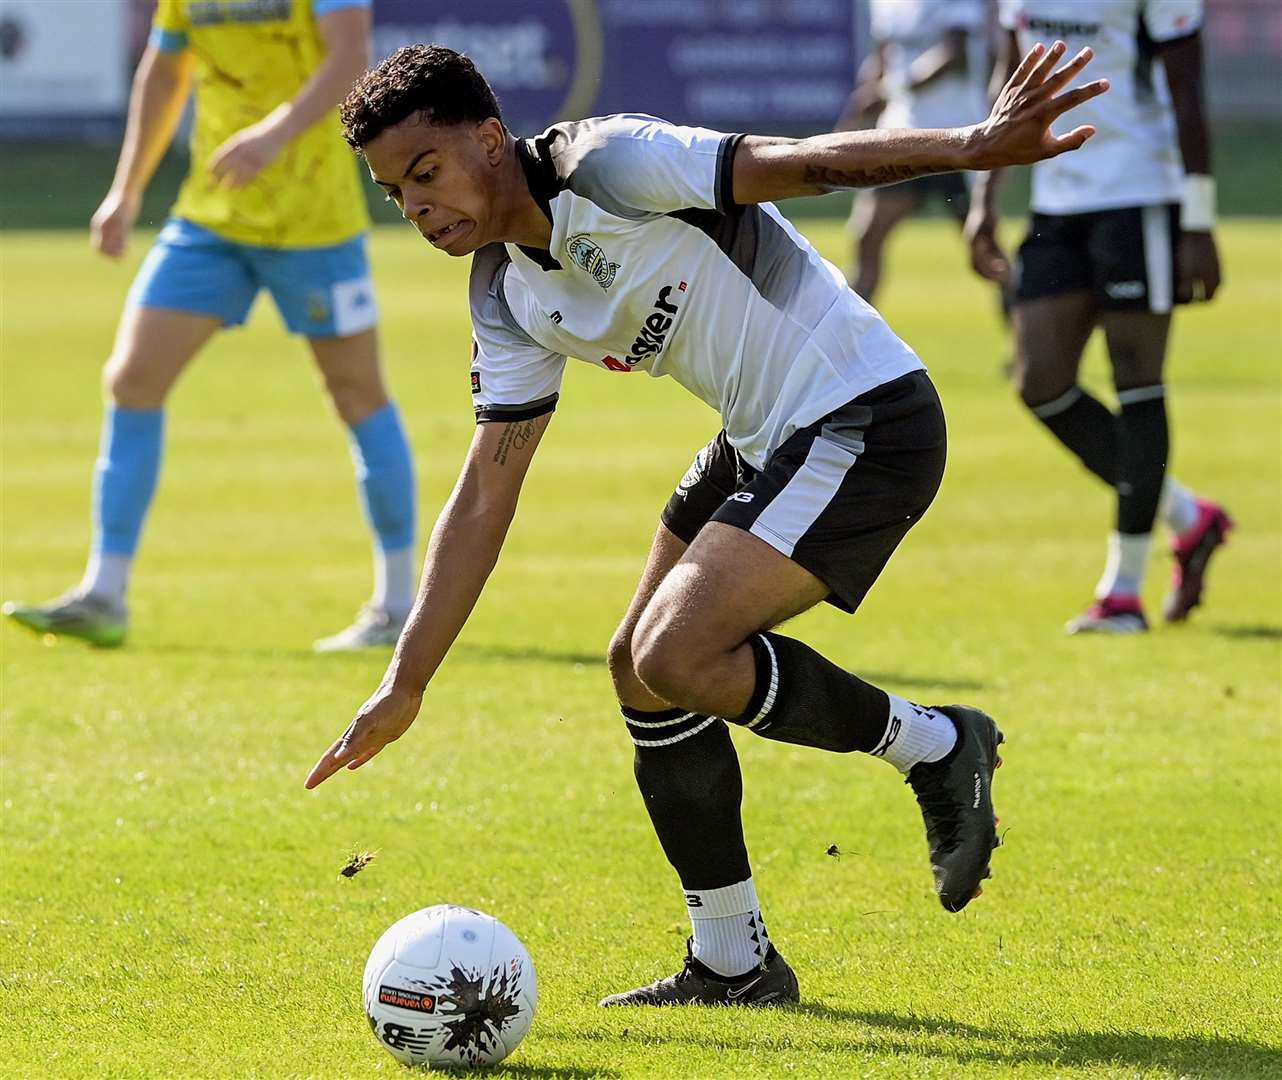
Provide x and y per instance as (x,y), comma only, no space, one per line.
(514,437)
(836,179)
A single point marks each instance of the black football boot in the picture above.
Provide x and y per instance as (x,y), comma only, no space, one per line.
(772,982)
(955,794)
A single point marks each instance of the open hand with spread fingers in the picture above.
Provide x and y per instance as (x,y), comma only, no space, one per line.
(1018,130)
(384,718)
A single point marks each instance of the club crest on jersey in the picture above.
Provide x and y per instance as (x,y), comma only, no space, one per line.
(587,255)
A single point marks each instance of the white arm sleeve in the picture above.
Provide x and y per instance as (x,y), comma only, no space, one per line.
(513,376)
(634,165)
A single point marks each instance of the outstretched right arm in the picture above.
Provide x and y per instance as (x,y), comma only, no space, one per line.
(462,552)
(160,88)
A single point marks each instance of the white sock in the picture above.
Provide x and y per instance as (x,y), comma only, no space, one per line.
(729,934)
(1178,508)
(394,581)
(107,576)
(1124,570)
(914,734)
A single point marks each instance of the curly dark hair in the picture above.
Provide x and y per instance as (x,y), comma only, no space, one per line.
(440,83)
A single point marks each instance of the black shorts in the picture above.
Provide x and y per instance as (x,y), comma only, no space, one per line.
(1126,257)
(838,495)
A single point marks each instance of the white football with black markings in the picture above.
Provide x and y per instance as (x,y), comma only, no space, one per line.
(449,986)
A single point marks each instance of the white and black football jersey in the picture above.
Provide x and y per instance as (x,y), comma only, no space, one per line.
(909,29)
(1133,159)
(652,267)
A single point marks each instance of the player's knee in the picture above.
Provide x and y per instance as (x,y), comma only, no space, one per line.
(666,663)
(1033,387)
(127,383)
(618,658)
(355,399)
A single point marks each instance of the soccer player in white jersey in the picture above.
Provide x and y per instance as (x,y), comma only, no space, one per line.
(926,70)
(638,246)
(1120,234)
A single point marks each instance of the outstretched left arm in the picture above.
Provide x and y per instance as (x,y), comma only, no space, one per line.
(1017,132)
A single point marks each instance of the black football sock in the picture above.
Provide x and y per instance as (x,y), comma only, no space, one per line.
(803,698)
(1143,442)
(688,773)
(1086,427)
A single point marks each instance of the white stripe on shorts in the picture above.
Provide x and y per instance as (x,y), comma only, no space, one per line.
(1157,257)
(803,498)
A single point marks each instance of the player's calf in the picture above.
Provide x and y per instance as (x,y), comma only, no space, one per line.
(947,754)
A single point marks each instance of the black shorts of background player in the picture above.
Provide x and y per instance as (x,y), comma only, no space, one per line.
(1116,243)
(833,416)
(921,71)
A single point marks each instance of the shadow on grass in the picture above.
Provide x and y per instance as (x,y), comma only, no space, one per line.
(478,653)
(1261,632)
(520,1069)
(1191,1056)
(506,653)
(934,682)
(886,1033)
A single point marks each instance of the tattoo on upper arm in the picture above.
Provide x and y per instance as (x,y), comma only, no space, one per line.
(515,436)
(837,179)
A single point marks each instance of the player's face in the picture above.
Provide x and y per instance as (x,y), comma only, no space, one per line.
(442,177)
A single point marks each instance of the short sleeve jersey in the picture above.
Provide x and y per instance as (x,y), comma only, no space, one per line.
(252,55)
(1133,159)
(910,28)
(653,268)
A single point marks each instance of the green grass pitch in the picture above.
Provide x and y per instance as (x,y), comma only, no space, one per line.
(169,895)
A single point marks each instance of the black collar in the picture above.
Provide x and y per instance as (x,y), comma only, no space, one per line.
(540,175)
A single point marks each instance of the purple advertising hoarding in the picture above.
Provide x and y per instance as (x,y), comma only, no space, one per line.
(761,65)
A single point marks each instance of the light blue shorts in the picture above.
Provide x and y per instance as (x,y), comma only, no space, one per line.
(320,292)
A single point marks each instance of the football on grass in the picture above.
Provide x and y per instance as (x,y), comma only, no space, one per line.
(449,986)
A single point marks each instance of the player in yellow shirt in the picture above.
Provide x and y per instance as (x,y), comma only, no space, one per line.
(272,201)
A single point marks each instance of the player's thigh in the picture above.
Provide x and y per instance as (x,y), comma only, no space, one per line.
(352,372)
(818,523)
(1136,347)
(1050,336)
(713,476)
(1133,252)
(152,347)
(191,284)
(665,551)
(728,585)
(1055,306)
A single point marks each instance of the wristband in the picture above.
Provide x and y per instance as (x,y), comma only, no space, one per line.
(1197,206)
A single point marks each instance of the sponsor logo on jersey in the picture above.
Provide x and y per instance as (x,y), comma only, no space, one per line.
(213,12)
(1064,28)
(555,317)
(588,255)
(476,382)
(653,334)
(417,1000)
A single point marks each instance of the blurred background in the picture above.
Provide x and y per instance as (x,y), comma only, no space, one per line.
(771,66)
